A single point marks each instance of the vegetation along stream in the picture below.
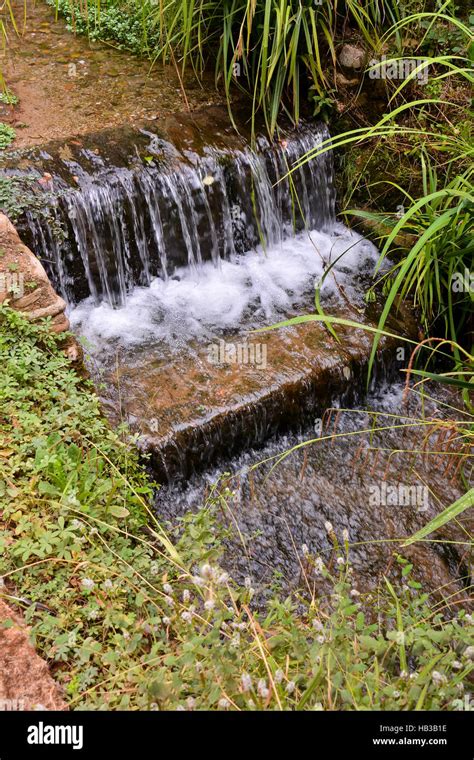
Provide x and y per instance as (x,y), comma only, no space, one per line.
(236,344)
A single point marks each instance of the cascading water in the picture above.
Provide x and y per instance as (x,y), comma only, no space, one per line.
(176,251)
(126,226)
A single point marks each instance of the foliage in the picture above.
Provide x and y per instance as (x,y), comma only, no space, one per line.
(129,24)
(276,51)
(130,617)
(18,197)
(7,135)
(441,224)
(8,97)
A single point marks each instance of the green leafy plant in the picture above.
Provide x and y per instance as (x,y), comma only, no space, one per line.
(7,135)
(8,97)
(134,617)
(129,24)
(19,196)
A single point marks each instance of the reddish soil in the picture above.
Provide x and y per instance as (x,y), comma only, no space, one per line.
(67,85)
(25,680)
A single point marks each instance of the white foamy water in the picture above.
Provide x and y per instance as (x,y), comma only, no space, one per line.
(259,286)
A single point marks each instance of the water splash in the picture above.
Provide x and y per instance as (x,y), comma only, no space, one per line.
(127,226)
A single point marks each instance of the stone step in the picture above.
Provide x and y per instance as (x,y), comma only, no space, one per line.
(191,408)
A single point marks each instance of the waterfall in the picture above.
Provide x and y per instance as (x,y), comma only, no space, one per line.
(126,225)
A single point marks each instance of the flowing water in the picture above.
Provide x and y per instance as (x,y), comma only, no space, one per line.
(181,249)
(380,486)
(130,224)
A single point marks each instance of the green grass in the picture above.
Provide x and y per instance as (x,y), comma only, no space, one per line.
(131,617)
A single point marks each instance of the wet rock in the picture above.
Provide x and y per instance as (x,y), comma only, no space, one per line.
(343,81)
(188,410)
(352,57)
(25,284)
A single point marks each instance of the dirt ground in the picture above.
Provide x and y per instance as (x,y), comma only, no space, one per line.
(25,681)
(67,85)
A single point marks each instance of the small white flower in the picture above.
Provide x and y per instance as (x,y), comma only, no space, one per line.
(206,571)
(456,665)
(93,614)
(290,687)
(320,639)
(279,676)
(154,569)
(246,682)
(198,581)
(186,616)
(167,588)
(169,601)
(250,704)
(190,703)
(403,674)
(396,694)
(329,527)
(248,582)
(340,561)
(319,565)
(186,596)
(469,619)
(354,592)
(235,641)
(438,678)
(222,579)
(318,706)
(305,550)
(209,604)
(224,703)
(166,620)
(262,688)
(317,625)
(108,585)
(87,583)
(208,180)
(469,653)
(345,535)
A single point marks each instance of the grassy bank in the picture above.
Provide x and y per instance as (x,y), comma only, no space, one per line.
(130,617)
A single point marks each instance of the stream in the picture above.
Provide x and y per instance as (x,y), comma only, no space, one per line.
(179,247)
